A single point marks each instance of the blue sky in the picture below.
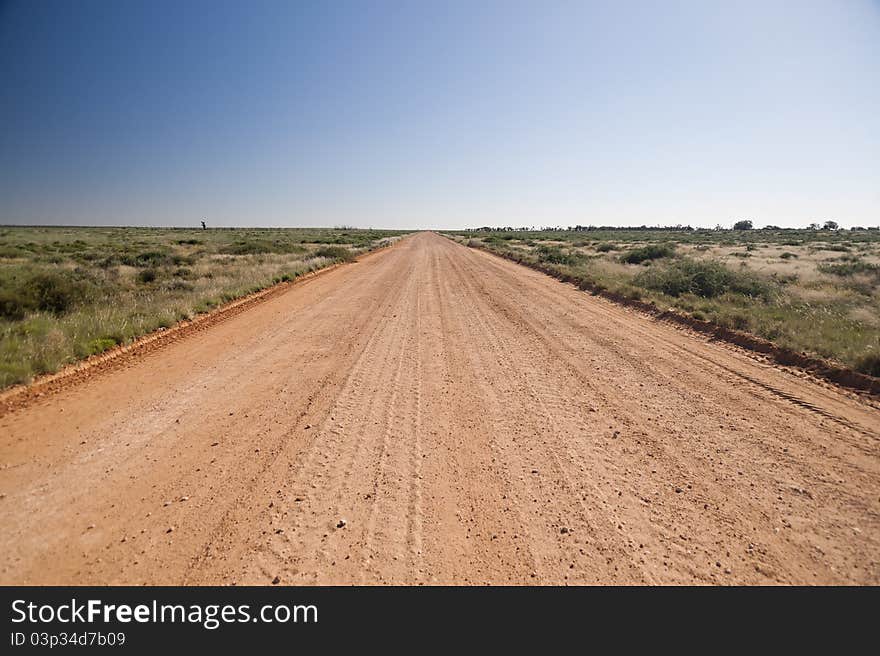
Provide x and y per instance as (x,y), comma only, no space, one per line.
(446,114)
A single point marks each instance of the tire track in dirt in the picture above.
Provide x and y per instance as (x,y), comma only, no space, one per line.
(556,491)
(321,480)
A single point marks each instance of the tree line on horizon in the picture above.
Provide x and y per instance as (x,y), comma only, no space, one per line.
(744,224)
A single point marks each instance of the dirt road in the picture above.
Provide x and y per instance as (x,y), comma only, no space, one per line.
(434,414)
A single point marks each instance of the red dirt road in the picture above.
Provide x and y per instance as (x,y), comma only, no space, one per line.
(469,421)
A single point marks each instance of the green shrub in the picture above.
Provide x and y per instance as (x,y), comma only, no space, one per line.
(12,306)
(850,268)
(605,247)
(246,248)
(150,259)
(703,279)
(647,253)
(555,255)
(45,291)
(100,345)
(11,252)
(787,255)
(260,247)
(147,276)
(53,292)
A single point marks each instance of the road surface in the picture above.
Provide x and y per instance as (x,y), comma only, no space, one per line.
(435,414)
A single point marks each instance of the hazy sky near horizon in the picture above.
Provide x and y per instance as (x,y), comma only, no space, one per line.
(444,114)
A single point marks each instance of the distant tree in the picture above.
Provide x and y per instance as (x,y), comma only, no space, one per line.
(813,226)
(855,228)
(745,224)
(830,225)
(770,227)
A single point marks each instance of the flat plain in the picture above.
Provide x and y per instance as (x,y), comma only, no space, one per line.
(432,413)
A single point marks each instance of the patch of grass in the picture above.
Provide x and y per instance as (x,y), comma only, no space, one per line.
(336,253)
(100,345)
(555,255)
(46,291)
(149,259)
(850,268)
(261,246)
(839,248)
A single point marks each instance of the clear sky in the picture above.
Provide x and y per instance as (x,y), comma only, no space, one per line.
(401,114)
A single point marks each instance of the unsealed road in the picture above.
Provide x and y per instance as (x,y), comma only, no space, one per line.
(469,421)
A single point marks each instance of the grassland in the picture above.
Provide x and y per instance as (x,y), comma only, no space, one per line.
(67,293)
(813,291)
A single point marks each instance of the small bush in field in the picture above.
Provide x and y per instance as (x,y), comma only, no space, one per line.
(47,291)
(647,253)
(704,279)
(555,255)
(850,268)
(100,345)
(334,253)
